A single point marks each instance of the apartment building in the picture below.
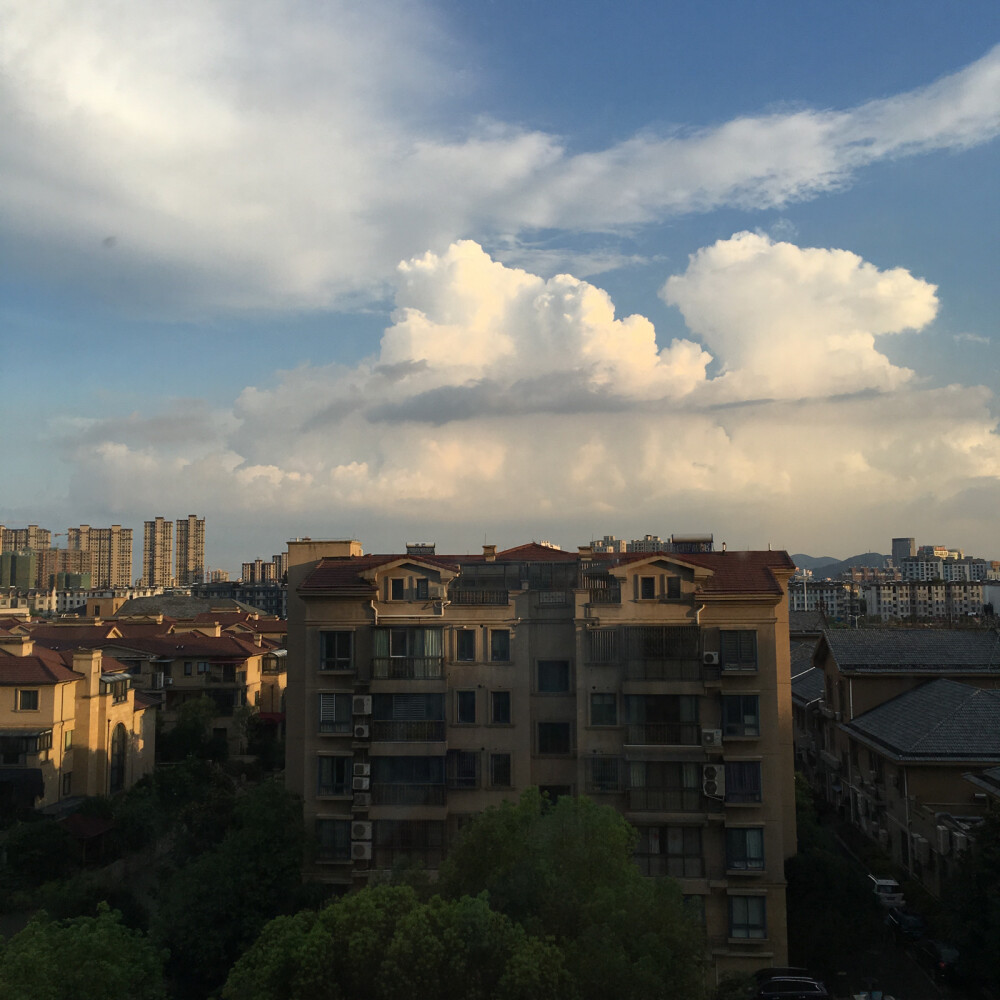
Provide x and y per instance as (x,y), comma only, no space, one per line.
(425,688)
(70,725)
(157,552)
(24,539)
(901,599)
(110,552)
(190,551)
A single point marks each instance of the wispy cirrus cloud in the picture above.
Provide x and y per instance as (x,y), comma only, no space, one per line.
(231,179)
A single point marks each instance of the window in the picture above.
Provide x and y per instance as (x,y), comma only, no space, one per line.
(670,850)
(603,645)
(466,702)
(747,917)
(188,667)
(202,666)
(500,770)
(500,645)
(68,740)
(465,645)
(553,676)
(500,708)
(743,781)
(673,588)
(333,840)
(423,591)
(604,709)
(741,715)
(605,774)
(647,588)
(119,747)
(67,782)
(463,769)
(333,775)
(27,701)
(336,651)
(554,737)
(738,649)
(334,713)
(745,849)
(396,589)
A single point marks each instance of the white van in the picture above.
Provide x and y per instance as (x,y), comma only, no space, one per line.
(887,891)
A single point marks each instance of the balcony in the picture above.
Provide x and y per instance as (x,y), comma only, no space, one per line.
(403,668)
(408,794)
(605,595)
(666,800)
(416,731)
(664,670)
(684,734)
(497,597)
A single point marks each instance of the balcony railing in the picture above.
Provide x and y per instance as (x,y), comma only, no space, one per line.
(401,668)
(385,794)
(605,595)
(665,800)
(675,867)
(416,731)
(663,670)
(663,734)
(479,597)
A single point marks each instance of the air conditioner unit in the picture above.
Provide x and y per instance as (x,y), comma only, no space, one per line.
(360,784)
(362,800)
(943,840)
(362,704)
(361,850)
(710,659)
(361,830)
(713,781)
(362,770)
(959,842)
(361,732)
(711,737)
(158,680)
(838,716)
(922,849)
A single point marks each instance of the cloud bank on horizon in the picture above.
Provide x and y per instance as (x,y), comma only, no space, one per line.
(231,172)
(497,391)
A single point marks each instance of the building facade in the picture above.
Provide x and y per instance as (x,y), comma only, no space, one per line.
(190,551)
(110,553)
(157,553)
(425,688)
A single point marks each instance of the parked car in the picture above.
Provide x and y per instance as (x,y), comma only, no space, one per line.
(887,891)
(941,958)
(774,971)
(792,988)
(906,923)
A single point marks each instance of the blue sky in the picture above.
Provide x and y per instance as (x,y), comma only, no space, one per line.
(498,271)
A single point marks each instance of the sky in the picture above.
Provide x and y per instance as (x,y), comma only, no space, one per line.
(469,271)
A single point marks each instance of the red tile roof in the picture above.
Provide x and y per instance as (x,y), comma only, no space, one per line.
(195,645)
(34,670)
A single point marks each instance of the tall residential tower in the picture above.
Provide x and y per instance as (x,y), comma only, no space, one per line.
(157,553)
(190,551)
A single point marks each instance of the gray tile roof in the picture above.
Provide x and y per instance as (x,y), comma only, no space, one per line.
(911,650)
(808,685)
(809,622)
(940,720)
(802,656)
(180,606)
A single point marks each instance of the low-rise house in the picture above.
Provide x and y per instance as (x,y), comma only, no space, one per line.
(71,725)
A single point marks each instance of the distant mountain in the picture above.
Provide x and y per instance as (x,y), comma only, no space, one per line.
(824,566)
(811,562)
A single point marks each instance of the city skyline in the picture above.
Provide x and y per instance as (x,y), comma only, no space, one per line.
(549,272)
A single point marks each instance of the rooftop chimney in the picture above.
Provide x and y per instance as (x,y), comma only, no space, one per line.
(490,553)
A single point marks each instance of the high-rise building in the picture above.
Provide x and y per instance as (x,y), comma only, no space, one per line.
(903,548)
(28,539)
(110,552)
(424,688)
(190,551)
(157,552)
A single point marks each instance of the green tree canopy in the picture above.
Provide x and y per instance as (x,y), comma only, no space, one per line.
(383,944)
(89,958)
(567,871)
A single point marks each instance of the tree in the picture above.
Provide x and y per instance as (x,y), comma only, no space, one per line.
(567,871)
(213,907)
(191,736)
(383,944)
(89,958)
(972,904)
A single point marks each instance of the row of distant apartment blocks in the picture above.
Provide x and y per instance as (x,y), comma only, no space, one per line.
(102,557)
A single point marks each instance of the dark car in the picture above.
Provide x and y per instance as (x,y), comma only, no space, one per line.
(792,988)
(906,923)
(795,971)
(940,957)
